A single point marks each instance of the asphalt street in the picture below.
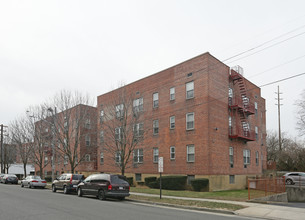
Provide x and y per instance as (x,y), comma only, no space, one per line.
(31,204)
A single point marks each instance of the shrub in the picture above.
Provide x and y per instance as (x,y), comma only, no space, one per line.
(141,183)
(170,182)
(48,179)
(199,184)
(130,181)
(150,179)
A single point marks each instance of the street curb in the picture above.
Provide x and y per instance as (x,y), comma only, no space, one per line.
(184,207)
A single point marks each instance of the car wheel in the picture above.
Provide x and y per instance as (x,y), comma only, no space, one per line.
(101,195)
(53,188)
(289,182)
(79,192)
(22,185)
(66,191)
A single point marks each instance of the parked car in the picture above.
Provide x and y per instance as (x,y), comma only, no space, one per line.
(1,176)
(295,178)
(33,182)
(67,182)
(9,178)
(104,185)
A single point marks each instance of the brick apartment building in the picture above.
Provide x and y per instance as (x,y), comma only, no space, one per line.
(77,128)
(204,118)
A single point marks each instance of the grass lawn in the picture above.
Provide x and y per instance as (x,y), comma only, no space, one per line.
(235,195)
(197,204)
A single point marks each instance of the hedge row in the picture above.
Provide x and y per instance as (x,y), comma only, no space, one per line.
(168,182)
(199,184)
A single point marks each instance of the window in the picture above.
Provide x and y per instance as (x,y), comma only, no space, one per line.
(190,121)
(65,143)
(118,133)
(256,158)
(156,155)
(156,100)
(256,133)
(45,173)
(88,140)
(246,157)
(190,153)
(46,160)
(66,159)
(255,106)
(231,156)
(230,96)
(119,110)
(172,153)
(138,156)
(172,122)
(118,157)
(138,105)
(87,157)
(189,74)
(102,136)
(156,127)
(172,93)
(88,123)
(232,179)
(138,177)
(138,130)
(189,90)
(101,116)
(102,158)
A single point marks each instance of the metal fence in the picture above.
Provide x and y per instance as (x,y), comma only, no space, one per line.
(265,187)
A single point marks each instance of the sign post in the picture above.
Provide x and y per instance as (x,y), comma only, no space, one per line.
(160,169)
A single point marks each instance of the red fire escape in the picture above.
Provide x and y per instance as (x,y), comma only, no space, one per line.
(240,108)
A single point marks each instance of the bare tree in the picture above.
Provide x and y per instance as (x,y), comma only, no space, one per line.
(122,128)
(39,138)
(301,114)
(74,126)
(22,138)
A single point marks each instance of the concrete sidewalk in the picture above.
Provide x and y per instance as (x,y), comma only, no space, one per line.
(257,210)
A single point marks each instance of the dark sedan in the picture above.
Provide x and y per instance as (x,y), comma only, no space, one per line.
(104,186)
(9,178)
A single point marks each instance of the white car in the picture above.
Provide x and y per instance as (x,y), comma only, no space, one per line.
(33,182)
(295,178)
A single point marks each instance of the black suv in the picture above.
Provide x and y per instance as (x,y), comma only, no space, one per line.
(104,185)
(67,182)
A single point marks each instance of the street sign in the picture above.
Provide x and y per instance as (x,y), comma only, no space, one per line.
(160,165)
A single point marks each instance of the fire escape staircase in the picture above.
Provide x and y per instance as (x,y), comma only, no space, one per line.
(241,108)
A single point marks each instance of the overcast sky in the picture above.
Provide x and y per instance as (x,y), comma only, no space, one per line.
(91,46)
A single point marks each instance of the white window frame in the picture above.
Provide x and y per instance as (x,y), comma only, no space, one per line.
(66,159)
(102,158)
(119,110)
(138,155)
(156,100)
(172,122)
(257,158)
(190,122)
(88,140)
(118,133)
(172,152)
(88,123)
(189,88)
(87,158)
(190,152)
(138,129)
(172,93)
(102,116)
(231,156)
(156,127)
(138,105)
(118,157)
(155,155)
(246,156)
(256,132)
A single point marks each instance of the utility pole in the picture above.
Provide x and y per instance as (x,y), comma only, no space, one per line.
(1,145)
(279,115)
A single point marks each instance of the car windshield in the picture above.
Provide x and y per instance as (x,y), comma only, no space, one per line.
(77,177)
(117,179)
(36,177)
